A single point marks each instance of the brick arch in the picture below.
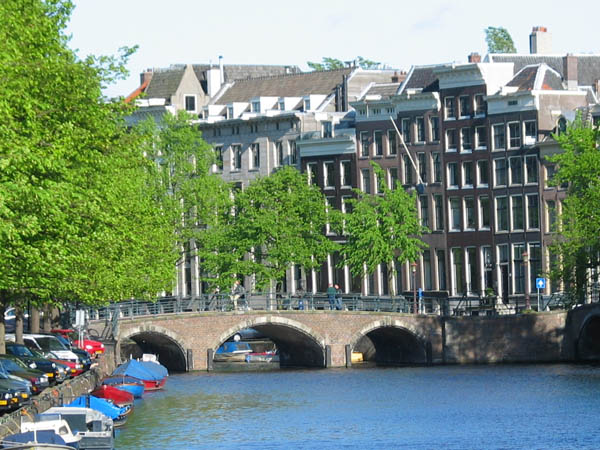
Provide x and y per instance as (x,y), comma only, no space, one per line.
(252,322)
(388,322)
(150,328)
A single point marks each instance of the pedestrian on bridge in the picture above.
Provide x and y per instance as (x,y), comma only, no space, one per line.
(331,294)
(237,292)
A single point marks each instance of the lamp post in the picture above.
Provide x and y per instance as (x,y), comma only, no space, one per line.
(525,266)
(414,278)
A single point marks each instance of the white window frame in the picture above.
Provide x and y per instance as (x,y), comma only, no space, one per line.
(497,216)
(526,164)
(327,183)
(526,207)
(524,211)
(449,177)
(464,208)
(494,162)
(475,113)
(517,126)
(195,97)
(478,145)
(450,149)
(480,224)
(511,182)
(449,99)
(460,113)
(343,181)
(466,185)
(451,215)
(493,137)
(478,173)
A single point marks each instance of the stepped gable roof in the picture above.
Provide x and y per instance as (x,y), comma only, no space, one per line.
(537,77)
(588,66)
(232,72)
(385,90)
(421,78)
(290,85)
(164,82)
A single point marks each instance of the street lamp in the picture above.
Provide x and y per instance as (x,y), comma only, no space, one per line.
(525,266)
(414,278)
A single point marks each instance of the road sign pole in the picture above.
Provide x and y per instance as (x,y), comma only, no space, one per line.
(538,299)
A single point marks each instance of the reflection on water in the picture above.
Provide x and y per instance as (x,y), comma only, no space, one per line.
(554,406)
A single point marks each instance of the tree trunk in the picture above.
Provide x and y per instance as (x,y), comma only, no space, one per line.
(54,318)
(47,321)
(35,320)
(19,325)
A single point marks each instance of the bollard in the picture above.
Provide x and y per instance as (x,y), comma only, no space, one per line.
(209,359)
(348,356)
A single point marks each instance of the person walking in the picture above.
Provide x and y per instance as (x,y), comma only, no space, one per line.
(338,297)
(237,292)
(331,293)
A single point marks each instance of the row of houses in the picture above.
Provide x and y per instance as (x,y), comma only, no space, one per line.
(472,139)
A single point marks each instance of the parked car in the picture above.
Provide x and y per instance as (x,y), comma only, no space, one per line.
(21,388)
(47,343)
(12,365)
(94,348)
(54,373)
(84,356)
(7,400)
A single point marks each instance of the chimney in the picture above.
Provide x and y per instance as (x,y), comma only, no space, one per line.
(570,71)
(221,69)
(474,57)
(395,78)
(540,41)
(213,81)
(145,76)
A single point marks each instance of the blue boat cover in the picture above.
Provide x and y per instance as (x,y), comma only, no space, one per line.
(157,368)
(136,369)
(120,379)
(41,437)
(99,404)
(231,346)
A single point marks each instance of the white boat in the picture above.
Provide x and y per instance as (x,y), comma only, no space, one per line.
(94,429)
(50,434)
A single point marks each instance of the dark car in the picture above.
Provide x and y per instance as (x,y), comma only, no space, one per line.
(20,388)
(38,380)
(8,400)
(45,365)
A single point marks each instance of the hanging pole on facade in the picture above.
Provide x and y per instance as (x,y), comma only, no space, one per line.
(421,184)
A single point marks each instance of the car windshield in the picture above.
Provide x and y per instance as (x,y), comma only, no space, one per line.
(36,353)
(50,343)
(10,365)
(19,350)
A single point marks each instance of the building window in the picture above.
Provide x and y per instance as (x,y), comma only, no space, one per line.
(533,213)
(484,212)
(190,103)
(518,269)
(279,153)
(255,156)
(235,130)
(378,138)
(472,271)
(219,157)
(311,168)
(454,214)
(392,144)
(328,176)
(230,112)
(393,177)
(518,222)
(255,106)
(483,175)
(452,175)
(479,105)
(514,134)
(499,136)
(530,132)
(550,216)
(420,129)
(451,140)
(364,143)
(424,203)
(516,170)
(293,153)
(236,157)
(327,129)
(307,104)
(463,106)
(408,178)
(422,167)
(434,124)
(253,128)
(469,213)
(535,264)
(346,173)
(449,112)
(500,172)
(437,167)
(438,212)
(329,205)
(465,140)
(441,269)
(532,169)
(480,138)
(501,214)
(457,270)
(427,270)
(366,181)
(467,171)
(406,130)
(486,260)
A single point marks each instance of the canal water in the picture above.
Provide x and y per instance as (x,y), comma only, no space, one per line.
(449,407)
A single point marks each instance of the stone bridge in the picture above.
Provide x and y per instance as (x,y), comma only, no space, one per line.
(187,341)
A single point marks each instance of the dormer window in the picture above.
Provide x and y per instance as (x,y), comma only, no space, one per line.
(281,105)
(190,103)
(327,129)
(307,104)
(256,106)
(230,112)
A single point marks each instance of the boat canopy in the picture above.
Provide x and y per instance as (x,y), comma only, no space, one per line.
(157,368)
(136,369)
(99,404)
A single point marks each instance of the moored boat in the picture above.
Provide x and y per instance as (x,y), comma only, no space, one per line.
(153,378)
(118,415)
(125,383)
(118,397)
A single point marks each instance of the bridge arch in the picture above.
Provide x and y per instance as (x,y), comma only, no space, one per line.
(587,344)
(297,343)
(392,342)
(166,344)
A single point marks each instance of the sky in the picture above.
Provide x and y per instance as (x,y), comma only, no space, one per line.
(396,33)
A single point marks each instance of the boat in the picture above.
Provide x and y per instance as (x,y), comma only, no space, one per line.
(118,415)
(263,357)
(153,377)
(125,383)
(116,396)
(55,433)
(95,429)
(232,351)
(35,440)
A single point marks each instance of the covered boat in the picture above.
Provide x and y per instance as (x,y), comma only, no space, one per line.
(116,396)
(125,383)
(43,439)
(118,415)
(232,351)
(153,378)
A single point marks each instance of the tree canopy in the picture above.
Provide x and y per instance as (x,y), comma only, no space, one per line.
(498,40)
(329,63)
(578,239)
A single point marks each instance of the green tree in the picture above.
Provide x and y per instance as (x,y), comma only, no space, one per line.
(499,41)
(329,63)
(279,221)
(382,228)
(577,242)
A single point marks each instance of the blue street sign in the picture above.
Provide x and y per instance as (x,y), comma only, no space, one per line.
(420,292)
(540,283)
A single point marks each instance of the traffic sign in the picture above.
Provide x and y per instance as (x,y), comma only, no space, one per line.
(540,283)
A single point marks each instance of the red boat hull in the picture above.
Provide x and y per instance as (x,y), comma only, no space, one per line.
(117,396)
(150,385)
